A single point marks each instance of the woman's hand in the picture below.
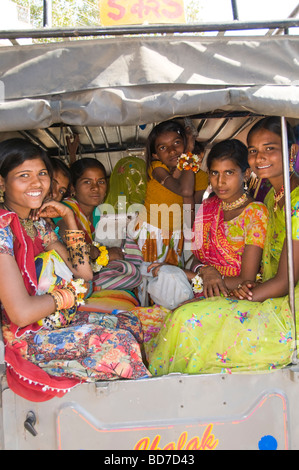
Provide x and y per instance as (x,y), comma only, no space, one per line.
(115,253)
(54,209)
(243,290)
(51,209)
(213,284)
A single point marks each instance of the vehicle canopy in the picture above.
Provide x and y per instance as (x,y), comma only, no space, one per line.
(130,80)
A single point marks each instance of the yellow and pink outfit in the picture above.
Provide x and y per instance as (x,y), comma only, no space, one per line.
(159,230)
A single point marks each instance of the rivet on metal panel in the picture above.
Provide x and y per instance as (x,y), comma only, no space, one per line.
(294,375)
(102,388)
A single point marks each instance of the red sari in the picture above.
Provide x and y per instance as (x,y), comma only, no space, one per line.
(104,346)
(210,245)
(23,377)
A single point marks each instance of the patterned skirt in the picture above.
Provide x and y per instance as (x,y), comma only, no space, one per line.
(219,335)
(94,347)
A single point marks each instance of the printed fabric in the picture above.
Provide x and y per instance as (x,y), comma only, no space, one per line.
(42,363)
(221,243)
(82,221)
(222,335)
(159,229)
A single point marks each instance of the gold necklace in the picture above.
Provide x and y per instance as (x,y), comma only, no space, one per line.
(29,227)
(26,223)
(278,196)
(229,206)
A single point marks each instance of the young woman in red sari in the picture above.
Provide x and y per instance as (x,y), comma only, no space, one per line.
(50,344)
(229,234)
(230,227)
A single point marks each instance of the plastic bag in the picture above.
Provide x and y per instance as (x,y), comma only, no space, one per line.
(170,288)
(52,273)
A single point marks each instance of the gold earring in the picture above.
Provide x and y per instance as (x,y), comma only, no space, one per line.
(1,196)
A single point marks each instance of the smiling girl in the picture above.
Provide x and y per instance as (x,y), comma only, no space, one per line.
(46,357)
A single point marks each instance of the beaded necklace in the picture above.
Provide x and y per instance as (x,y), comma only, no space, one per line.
(229,206)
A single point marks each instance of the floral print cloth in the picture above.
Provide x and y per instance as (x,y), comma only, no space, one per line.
(249,228)
(95,346)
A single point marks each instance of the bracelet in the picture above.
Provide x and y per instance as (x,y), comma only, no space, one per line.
(189,161)
(163,181)
(73,237)
(197,266)
(77,253)
(64,298)
(102,259)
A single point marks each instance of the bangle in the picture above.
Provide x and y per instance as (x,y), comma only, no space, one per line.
(197,267)
(102,259)
(73,237)
(163,181)
(64,298)
(67,300)
(197,284)
(189,161)
(76,246)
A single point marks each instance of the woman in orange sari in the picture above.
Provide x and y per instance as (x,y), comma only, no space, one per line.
(171,185)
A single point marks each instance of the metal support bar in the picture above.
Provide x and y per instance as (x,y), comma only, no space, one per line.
(235,9)
(287,189)
(47,13)
(148,29)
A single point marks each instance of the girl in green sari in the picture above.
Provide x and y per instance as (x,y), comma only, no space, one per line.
(253,329)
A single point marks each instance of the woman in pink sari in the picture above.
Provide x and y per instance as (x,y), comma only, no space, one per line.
(229,234)
(230,227)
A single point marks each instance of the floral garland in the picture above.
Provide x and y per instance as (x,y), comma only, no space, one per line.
(197,284)
(189,161)
(102,259)
(80,290)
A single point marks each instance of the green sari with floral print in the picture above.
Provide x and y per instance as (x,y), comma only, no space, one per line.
(222,335)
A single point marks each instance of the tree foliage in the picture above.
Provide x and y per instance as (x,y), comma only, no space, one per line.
(65,13)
